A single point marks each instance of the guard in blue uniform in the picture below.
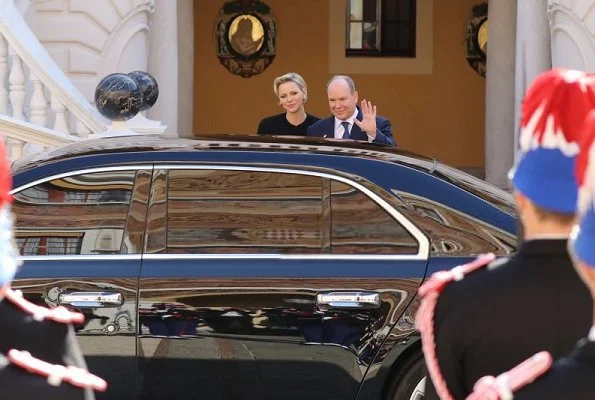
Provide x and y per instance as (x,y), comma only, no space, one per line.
(572,376)
(481,320)
(39,355)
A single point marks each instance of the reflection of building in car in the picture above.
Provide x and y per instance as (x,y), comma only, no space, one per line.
(221,249)
(78,206)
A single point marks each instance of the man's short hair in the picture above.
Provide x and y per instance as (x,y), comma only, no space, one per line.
(346,78)
(558,217)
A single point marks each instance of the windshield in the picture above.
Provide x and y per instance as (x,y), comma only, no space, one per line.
(490,193)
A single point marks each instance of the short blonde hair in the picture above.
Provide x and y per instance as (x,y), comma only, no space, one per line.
(291,77)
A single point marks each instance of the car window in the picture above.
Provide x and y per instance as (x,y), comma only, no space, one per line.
(455,233)
(80,215)
(361,226)
(267,212)
(216,211)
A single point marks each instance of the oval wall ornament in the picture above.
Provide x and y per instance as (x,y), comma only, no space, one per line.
(245,37)
(476,39)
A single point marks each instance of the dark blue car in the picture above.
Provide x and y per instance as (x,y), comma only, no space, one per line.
(250,267)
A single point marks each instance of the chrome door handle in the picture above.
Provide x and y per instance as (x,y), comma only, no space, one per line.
(359,300)
(91,299)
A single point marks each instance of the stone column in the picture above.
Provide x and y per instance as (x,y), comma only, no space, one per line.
(500,90)
(186,68)
(163,63)
(533,51)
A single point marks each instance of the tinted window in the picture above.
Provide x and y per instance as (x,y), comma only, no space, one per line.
(361,226)
(452,232)
(212,211)
(239,212)
(82,214)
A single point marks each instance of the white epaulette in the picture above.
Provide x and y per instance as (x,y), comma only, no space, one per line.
(58,314)
(56,374)
(504,385)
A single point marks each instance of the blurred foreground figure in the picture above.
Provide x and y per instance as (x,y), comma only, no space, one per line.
(39,355)
(485,317)
(573,376)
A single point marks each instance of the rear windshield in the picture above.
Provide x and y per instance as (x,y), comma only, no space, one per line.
(490,193)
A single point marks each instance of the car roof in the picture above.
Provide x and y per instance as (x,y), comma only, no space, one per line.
(299,144)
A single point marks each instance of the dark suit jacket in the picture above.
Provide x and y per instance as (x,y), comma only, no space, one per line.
(326,128)
(495,318)
(571,377)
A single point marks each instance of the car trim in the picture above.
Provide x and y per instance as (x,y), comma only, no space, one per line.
(80,172)
(423,242)
(284,256)
(83,257)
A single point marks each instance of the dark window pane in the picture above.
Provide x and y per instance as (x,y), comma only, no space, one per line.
(236,212)
(360,226)
(83,214)
(398,10)
(404,11)
(396,36)
(370,11)
(390,9)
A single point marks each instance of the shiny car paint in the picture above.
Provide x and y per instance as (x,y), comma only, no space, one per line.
(203,320)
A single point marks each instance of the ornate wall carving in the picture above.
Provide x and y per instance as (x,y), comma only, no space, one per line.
(91,39)
(572,25)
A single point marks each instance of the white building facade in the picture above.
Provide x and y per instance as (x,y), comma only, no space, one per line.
(54,52)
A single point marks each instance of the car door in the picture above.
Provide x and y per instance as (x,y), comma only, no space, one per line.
(81,237)
(266,282)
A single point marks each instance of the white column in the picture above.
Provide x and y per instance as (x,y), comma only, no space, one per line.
(163,63)
(186,68)
(533,51)
(500,90)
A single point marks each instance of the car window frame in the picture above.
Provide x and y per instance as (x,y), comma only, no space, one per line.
(94,257)
(423,243)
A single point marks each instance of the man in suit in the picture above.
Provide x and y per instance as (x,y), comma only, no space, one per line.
(349,121)
(484,321)
(572,376)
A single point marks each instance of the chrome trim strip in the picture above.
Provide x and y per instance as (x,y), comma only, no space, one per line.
(80,172)
(84,257)
(422,240)
(408,257)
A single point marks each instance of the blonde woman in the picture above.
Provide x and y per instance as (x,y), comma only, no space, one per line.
(292,93)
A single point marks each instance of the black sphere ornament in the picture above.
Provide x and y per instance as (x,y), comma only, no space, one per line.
(118,97)
(149,87)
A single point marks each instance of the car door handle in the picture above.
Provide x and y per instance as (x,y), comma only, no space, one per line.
(352,300)
(91,299)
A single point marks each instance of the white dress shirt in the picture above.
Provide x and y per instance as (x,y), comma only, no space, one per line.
(339,128)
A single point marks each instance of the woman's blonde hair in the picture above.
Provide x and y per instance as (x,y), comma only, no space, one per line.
(291,77)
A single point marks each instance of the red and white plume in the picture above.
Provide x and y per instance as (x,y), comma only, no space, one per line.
(8,251)
(553,110)
(585,165)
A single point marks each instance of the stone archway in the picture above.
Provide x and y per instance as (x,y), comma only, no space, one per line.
(572,26)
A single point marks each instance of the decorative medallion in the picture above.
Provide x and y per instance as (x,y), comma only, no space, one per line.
(476,39)
(245,34)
